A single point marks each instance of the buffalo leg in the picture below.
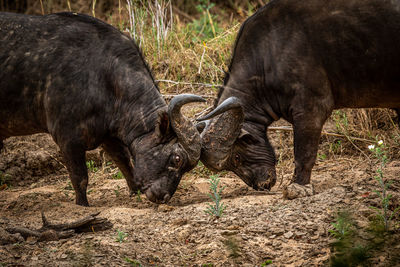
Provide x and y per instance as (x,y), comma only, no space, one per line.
(75,160)
(1,144)
(121,157)
(306,140)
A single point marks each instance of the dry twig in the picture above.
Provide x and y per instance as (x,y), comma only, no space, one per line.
(53,232)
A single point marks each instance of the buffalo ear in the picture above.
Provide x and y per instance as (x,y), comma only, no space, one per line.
(243,133)
(163,124)
(246,137)
(200,126)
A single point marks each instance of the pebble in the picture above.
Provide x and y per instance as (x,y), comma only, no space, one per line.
(165,208)
(288,235)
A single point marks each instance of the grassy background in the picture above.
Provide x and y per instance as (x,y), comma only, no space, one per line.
(188,45)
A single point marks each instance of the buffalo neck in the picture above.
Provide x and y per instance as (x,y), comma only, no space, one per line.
(256,99)
(138,102)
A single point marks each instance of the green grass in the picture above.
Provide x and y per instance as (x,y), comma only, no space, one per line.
(118,175)
(216,208)
(5,180)
(135,263)
(121,235)
(91,165)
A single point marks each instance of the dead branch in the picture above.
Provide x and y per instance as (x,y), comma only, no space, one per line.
(290,129)
(53,232)
(183,14)
(188,83)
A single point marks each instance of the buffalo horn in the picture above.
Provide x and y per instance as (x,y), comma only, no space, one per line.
(220,133)
(188,136)
(232,103)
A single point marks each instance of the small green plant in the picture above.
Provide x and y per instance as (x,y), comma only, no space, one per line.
(139,196)
(232,246)
(91,166)
(217,208)
(341,121)
(118,175)
(322,156)
(336,147)
(266,263)
(347,250)
(4,180)
(383,213)
(116,191)
(135,263)
(342,228)
(121,235)
(206,26)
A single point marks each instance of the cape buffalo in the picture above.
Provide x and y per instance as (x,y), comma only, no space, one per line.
(86,84)
(299,60)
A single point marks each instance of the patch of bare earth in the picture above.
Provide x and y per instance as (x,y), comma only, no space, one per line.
(256,226)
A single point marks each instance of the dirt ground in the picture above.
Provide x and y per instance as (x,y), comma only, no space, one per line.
(256,226)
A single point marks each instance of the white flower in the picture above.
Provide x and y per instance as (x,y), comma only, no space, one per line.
(371,147)
(380,142)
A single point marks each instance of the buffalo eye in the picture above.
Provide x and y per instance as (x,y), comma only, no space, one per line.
(237,159)
(177,160)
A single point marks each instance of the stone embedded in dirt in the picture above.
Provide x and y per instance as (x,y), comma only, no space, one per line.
(288,235)
(277,231)
(229,232)
(180,222)
(165,208)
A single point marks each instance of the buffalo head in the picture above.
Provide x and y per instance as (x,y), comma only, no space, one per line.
(162,156)
(230,144)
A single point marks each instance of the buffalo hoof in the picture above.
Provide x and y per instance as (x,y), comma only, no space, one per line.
(295,190)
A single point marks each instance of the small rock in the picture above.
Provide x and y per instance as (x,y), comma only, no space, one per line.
(277,230)
(229,233)
(180,222)
(164,208)
(288,235)
(272,237)
(64,256)
(31,240)
(316,237)
(233,227)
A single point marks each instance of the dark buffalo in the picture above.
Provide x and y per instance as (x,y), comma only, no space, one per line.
(299,60)
(85,83)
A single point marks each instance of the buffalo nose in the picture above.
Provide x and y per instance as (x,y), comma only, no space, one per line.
(167,197)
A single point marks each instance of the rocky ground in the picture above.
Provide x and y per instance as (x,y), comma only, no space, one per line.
(256,229)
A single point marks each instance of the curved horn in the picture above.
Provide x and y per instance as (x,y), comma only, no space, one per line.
(228,104)
(221,133)
(187,133)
